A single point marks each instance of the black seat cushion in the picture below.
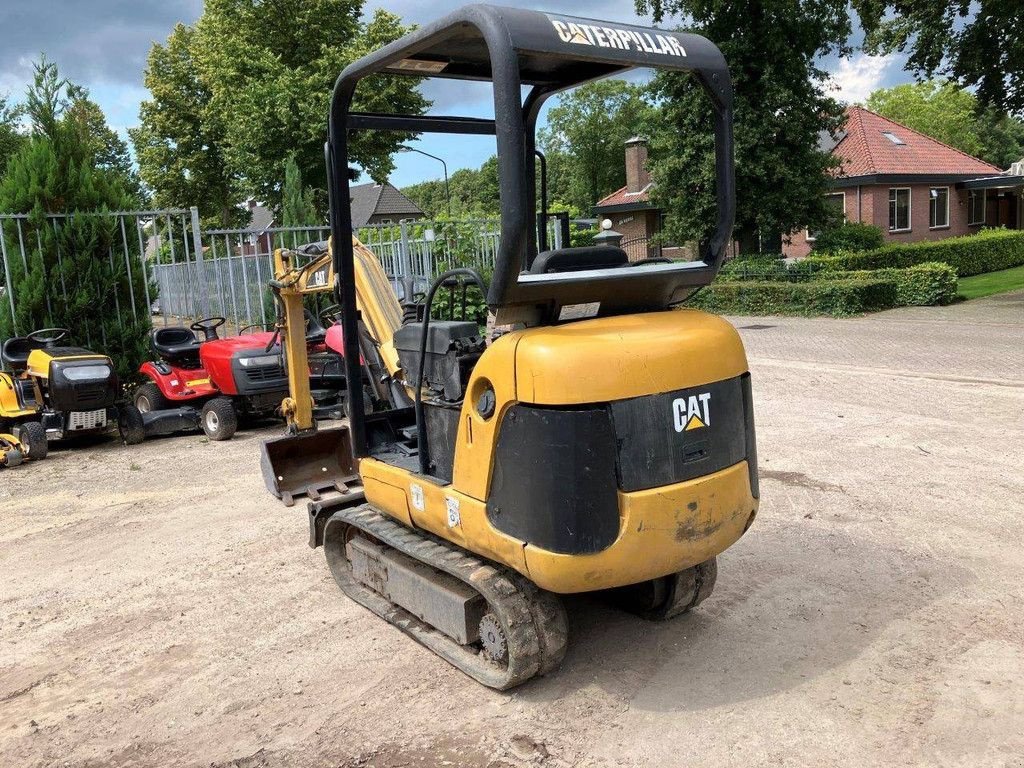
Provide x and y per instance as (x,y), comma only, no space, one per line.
(315,333)
(175,343)
(15,352)
(579,259)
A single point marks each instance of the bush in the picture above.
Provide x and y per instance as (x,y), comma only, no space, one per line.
(838,297)
(768,268)
(922,285)
(988,251)
(849,236)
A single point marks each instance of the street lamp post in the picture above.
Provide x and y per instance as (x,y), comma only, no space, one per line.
(447,192)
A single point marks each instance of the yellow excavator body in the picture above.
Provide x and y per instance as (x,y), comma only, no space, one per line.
(660,530)
(603,441)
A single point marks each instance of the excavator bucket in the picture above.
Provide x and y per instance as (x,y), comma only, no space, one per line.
(309,464)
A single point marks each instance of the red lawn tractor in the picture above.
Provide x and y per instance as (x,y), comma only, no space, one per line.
(210,384)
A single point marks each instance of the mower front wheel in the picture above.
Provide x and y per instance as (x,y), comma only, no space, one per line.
(149,398)
(131,424)
(220,420)
(32,436)
(11,459)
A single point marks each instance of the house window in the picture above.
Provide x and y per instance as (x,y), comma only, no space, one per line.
(893,138)
(938,207)
(838,201)
(976,207)
(899,209)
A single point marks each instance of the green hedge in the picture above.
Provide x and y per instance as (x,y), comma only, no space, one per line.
(849,236)
(923,285)
(987,251)
(836,297)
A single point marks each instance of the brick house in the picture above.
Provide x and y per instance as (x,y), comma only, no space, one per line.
(912,186)
(630,209)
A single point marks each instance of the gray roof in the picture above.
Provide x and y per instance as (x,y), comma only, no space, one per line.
(260,218)
(380,200)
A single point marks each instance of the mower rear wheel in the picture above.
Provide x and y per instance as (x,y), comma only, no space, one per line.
(220,420)
(131,424)
(149,398)
(32,436)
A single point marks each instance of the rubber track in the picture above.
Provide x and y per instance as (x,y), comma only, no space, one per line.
(533,621)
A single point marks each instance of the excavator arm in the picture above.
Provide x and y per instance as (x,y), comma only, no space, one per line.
(379,310)
(307,461)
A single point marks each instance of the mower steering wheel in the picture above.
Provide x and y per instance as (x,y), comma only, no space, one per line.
(253,328)
(209,326)
(48,336)
(330,314)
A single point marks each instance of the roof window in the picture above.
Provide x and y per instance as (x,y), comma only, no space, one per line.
(893,138)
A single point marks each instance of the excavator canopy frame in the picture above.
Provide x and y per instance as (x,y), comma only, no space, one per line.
(546,53)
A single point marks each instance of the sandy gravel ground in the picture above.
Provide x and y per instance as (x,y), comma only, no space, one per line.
(158,608)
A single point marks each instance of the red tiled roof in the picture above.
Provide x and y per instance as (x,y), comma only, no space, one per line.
(622,197)
(866,150)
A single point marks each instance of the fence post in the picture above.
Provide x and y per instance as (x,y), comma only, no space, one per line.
(197,249)
(404,258)
(7,277)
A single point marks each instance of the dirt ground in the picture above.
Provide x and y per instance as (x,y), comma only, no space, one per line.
(158,608)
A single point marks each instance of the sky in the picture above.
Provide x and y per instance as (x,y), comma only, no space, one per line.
(102,44)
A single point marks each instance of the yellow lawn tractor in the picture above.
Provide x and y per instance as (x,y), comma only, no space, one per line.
(605,443)
(49,391)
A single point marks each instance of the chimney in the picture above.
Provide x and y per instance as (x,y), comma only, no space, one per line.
(637,176)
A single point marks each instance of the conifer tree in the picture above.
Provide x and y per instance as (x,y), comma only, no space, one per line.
(76,271)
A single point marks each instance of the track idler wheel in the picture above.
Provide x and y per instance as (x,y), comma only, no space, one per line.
(661,599)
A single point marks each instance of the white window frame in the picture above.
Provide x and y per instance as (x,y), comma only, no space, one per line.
(910,209)
(807,233)
(984,207)
(931,201)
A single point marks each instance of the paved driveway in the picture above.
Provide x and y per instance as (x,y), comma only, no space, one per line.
(157,608)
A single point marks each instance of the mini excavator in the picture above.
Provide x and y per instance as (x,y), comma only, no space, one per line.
(605,443)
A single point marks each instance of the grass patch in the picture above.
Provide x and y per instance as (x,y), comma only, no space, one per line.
(992,282)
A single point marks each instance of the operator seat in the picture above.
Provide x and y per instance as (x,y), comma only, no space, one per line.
(15,353)
(579,259)
(175,344)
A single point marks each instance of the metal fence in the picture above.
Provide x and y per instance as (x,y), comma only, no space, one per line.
(174,270)
(41,253)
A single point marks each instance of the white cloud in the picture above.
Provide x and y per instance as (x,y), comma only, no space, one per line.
(857,77)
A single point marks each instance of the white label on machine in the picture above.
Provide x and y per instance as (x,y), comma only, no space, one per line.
(453,511)
(416,491)
(579,311)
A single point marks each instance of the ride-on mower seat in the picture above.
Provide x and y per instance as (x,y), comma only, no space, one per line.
(315,332)
(175,343)
(15,353)
(578,259)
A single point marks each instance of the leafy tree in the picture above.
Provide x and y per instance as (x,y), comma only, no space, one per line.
(107,147)
(11,139)
(474,193)
(270,67)
(585,137)
(1002,137)
(180,142)
(975,42)
(72,277)
(781,108)
(943,110)
(297,208)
